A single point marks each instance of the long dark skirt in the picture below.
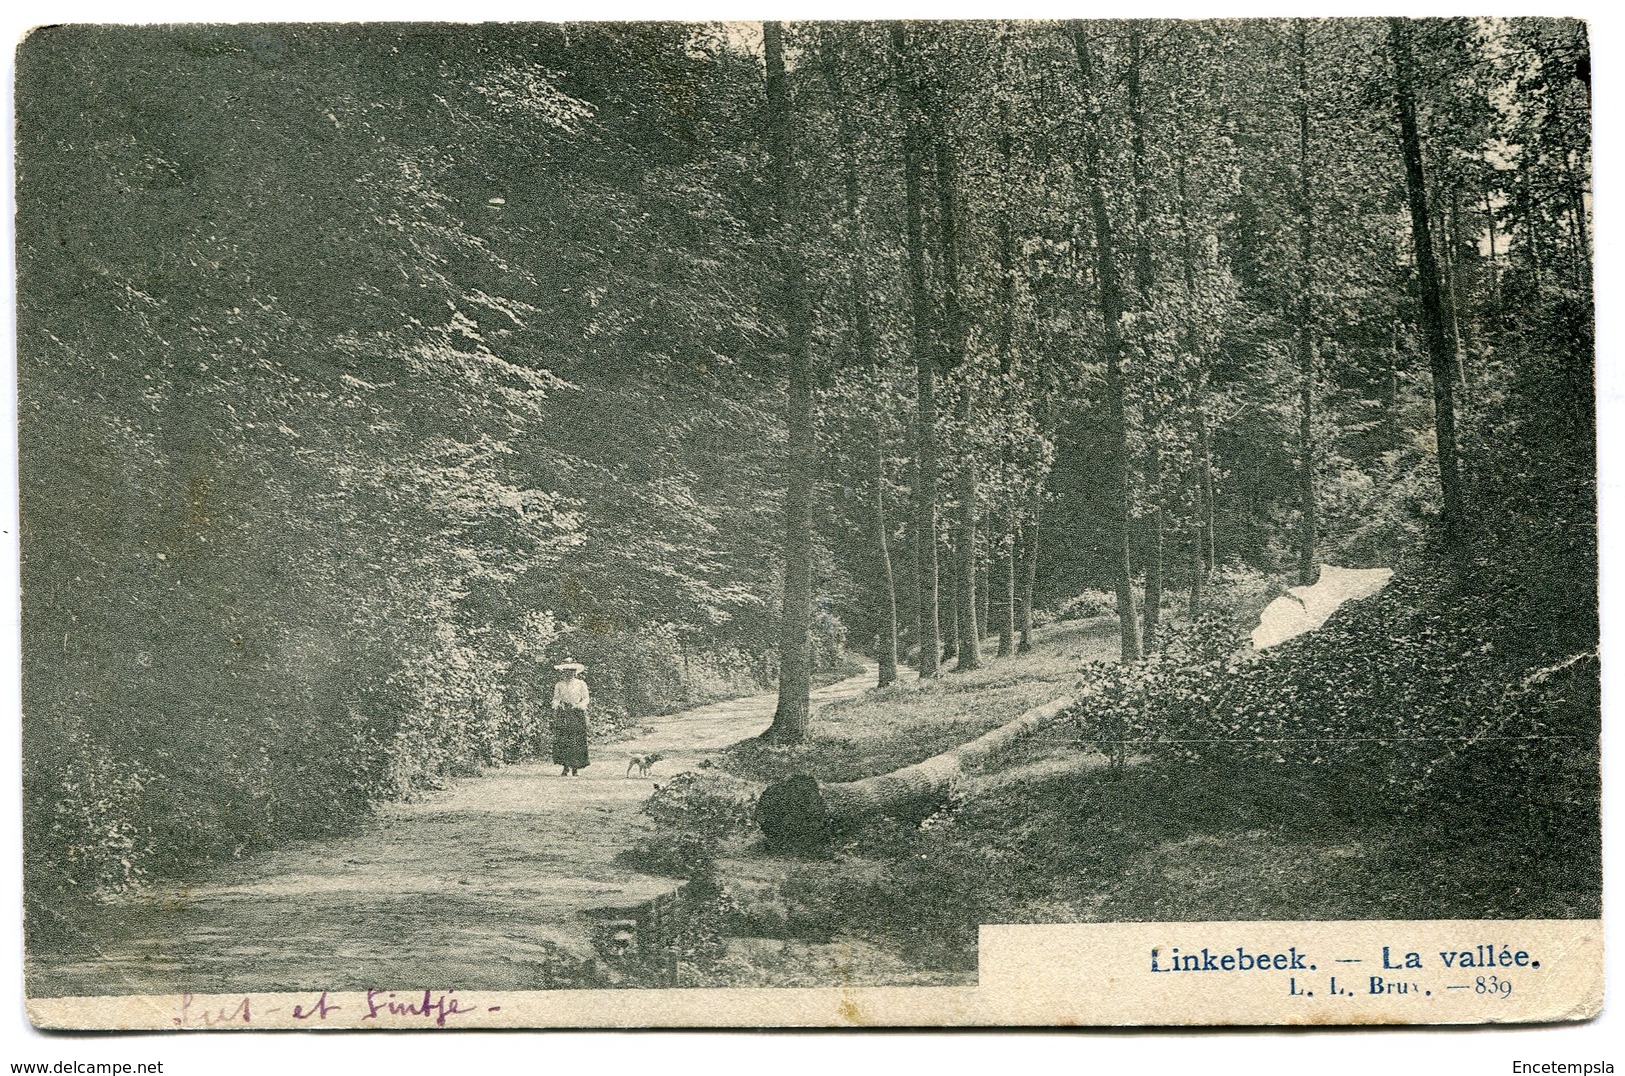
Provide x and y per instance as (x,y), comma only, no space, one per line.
(570,737)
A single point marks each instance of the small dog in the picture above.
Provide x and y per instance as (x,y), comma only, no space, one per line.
(642,763)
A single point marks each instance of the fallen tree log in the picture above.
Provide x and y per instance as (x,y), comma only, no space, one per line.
(800,813)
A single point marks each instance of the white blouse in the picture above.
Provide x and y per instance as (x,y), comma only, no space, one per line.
(571,693)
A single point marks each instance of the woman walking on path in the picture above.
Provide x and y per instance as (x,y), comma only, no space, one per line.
(570,699)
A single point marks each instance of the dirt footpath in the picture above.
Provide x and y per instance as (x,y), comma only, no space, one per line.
(493,884)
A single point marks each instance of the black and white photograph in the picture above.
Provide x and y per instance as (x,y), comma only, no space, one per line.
(515,509)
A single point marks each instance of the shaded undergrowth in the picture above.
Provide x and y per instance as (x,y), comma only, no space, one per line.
(1417,758)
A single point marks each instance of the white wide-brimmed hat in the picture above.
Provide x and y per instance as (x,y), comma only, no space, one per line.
(570,663)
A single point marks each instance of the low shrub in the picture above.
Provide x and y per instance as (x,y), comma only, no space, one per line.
(1091,603)
(710,804)
(1238,593)
(694,813)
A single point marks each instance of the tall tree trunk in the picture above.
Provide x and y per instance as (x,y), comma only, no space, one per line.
(1460,324)
(1432,299)
(1447,277)
(1143,271)
(795,673)
(1209,498)
(1143,283)
(1202,560)
(950,644)
(982,597)
(1006,560)
(967,632)
(928,637)
(1111,316)
(1308,344)
(1199,566)
(1154,558)
(1029,577)
(1006,589)
(1495,267)
(1531,228)
(886,650)
(867,357)
(911,546)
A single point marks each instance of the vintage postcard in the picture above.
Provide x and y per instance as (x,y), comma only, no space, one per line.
(809,524)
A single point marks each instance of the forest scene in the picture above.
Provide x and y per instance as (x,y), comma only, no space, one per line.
(907,428)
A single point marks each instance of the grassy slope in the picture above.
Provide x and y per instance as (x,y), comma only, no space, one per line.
(911,720)
(1052,836)
(1070,843)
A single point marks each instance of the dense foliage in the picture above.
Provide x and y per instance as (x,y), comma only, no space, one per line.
(365,372)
